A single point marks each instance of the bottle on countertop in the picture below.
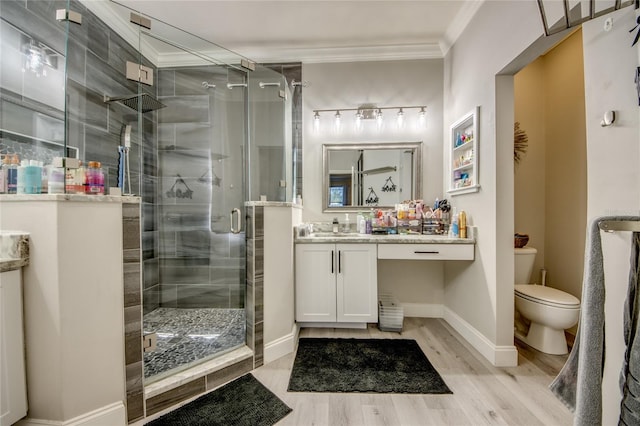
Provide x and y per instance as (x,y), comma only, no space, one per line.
(335,225)
(12,175)
(454,229)
(94,179)
(3,174)
(360,224)
(346,226)
(462,224)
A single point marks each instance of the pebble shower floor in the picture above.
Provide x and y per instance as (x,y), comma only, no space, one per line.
(188,336)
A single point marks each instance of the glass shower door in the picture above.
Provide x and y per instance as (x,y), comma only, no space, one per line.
(271,152)
(194,189)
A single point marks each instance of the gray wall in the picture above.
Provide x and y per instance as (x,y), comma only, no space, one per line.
(95,67)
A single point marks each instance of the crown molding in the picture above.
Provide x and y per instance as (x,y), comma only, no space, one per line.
(343,54)
(458,25)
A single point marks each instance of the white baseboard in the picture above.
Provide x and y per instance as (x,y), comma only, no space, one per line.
(499,356)
(110,415)
(359,325)
(282,346)
(423,310)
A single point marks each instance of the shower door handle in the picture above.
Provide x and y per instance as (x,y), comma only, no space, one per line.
(236,213)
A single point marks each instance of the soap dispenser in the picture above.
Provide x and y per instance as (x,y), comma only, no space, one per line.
(335,225)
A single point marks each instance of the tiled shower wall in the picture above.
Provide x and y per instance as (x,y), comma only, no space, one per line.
(95,67)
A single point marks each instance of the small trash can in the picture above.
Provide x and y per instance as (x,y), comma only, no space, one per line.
(390,313)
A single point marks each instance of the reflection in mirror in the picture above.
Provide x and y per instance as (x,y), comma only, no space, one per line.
(370,175)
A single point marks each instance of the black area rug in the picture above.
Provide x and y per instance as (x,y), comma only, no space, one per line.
(363,365)
(245,401)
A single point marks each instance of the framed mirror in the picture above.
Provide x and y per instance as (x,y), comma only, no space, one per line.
(370,175)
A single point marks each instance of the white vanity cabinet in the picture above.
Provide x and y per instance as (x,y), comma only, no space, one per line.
(336,283)
(13,394)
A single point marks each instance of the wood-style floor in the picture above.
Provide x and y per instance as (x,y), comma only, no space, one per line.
(482,394)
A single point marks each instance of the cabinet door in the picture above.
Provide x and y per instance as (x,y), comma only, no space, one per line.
(357,283)
(13,394)
(316,282)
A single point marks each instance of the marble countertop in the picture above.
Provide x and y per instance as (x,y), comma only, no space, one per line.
(327,237)
(14,250)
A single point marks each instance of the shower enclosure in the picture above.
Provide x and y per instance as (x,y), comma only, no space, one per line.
(218,141)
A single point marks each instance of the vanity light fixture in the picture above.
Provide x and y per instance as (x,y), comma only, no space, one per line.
(371,111)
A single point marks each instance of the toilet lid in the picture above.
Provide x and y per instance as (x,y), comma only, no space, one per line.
(547,295)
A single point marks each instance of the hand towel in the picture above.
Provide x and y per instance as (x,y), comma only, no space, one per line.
(630,372)
(579,383)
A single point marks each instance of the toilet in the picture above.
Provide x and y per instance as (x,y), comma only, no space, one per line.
(551,311)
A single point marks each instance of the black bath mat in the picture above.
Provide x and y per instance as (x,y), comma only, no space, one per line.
(363,365)
(245,401)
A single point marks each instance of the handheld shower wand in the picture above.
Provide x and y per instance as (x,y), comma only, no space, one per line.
(124,174)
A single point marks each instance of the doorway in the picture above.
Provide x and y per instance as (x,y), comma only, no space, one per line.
(550,180)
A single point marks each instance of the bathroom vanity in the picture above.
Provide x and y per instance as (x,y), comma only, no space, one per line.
(14,255)
(336,278)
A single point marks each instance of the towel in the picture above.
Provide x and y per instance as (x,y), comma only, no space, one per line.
(630,372)
(579,383)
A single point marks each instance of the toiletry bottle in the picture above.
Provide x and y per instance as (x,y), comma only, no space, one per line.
(455,229)
(3,174)
(32,177)
(346,226)
(362,223)
(12,175)
(95,178)
(80,180)
(56,180)
(335,225)
(21,177)
(462,224)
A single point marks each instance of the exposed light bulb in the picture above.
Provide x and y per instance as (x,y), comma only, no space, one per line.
(379,118)
(358,119)
(422,116)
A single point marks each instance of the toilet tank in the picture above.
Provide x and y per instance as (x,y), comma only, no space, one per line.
(524,260)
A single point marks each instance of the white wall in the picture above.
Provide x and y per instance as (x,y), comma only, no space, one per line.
(73,311)
(279,324)
(480,294)
(613,155)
